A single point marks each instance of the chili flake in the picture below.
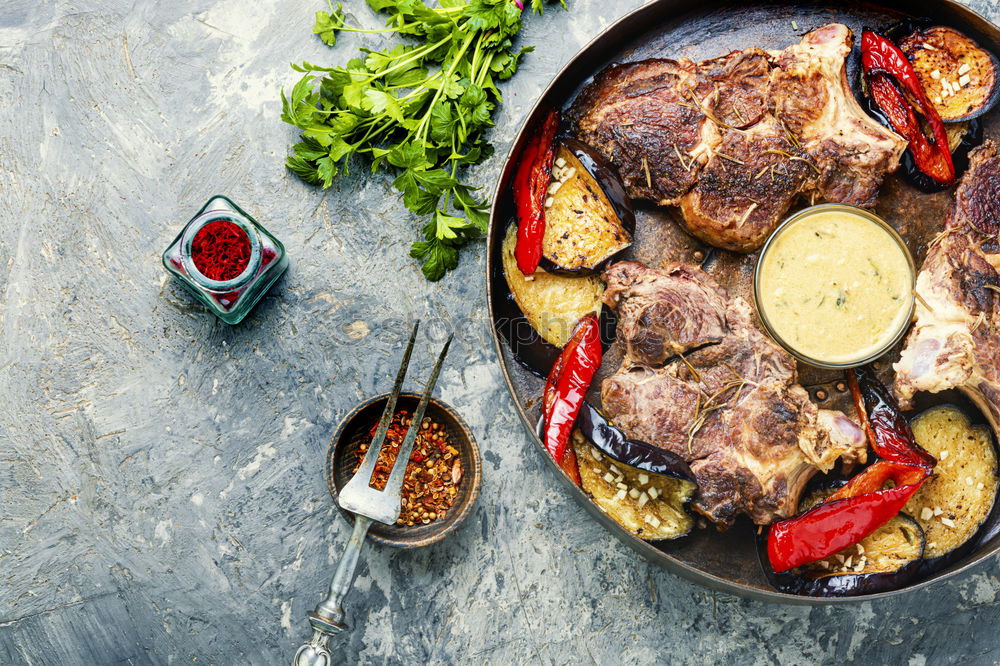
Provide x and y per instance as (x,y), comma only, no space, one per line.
(433,474)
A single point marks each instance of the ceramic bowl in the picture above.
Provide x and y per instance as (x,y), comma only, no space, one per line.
(354,430)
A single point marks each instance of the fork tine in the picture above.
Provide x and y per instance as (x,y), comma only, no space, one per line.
(395,482)
(371,456)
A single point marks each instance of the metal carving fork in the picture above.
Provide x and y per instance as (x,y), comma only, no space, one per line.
(367,504)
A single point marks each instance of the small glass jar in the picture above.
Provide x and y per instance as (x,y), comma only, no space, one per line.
(230,300)
(893,331)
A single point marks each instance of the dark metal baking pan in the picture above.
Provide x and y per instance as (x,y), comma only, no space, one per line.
(702,29)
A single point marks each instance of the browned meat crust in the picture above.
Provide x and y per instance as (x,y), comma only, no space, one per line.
(735,140)
(955,342)
(700,380)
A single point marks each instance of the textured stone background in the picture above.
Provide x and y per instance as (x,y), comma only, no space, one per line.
(161,474)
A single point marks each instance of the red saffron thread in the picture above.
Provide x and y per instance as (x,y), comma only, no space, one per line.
(220,250)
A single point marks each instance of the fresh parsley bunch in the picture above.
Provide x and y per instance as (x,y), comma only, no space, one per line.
(418,110)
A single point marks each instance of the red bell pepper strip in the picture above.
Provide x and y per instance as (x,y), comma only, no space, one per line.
(830,527)
(883,61)
(875,476)
(570,379)
(862,505)
(569,463)
(531,186)
(888,431)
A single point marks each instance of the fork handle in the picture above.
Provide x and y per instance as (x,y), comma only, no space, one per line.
(328,618)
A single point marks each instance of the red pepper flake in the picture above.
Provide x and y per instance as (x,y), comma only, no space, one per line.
(220,250)
(433,475)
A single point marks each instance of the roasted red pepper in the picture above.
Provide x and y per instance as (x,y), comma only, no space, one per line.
(887,429)
(567,385)
(862,505)
(875,477)
(886,66)
(833,526)
(531,187)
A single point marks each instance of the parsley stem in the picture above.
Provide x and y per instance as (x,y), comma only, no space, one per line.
(424,125)
(415,54)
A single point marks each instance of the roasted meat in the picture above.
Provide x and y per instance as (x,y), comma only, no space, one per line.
(735,140)
(700,380)
(955,342)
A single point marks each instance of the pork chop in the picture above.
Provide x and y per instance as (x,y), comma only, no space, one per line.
(955,342)
(735,140)
(700,380)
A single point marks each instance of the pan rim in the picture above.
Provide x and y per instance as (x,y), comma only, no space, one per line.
(614,36)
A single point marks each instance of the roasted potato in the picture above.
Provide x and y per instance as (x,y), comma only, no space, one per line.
(955,501)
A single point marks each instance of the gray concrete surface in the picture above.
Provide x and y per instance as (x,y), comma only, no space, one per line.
(161,489)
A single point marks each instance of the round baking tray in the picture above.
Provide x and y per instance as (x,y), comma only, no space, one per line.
(698,29)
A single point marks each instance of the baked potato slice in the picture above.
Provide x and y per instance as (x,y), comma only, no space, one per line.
(958,498)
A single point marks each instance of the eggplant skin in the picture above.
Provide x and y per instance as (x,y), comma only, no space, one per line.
(938,53)
(613,442)
(892,559)
(586,224)
(964,485)
(650,506)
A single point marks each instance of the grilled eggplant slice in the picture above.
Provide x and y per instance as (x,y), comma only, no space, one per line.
(553,304)
(953,504)
(886,559)
(588,220)
(960,77)
(651,506)
(613,442)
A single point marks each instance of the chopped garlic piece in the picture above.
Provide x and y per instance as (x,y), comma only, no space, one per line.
(643,479)
(948,521)
(609,478)
(554,187)
(938,511)
(968,481)
(548,202)
(633,493)
(963,69)
(643,498)
(653,520)
(561,162)
(620,496)
(621,486)
(964,80)
(926,513)
(570,173)
(653,493)
(936,74)
(944,454)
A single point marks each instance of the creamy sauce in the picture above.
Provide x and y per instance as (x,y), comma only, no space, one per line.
(835,286)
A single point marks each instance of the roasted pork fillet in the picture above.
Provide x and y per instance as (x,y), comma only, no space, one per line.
(735,140)
(700,380)
(955,342)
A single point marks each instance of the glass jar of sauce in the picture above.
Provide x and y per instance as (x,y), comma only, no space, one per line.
(834,286)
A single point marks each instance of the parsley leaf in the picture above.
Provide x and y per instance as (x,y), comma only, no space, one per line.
(327,25)
(418,110)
